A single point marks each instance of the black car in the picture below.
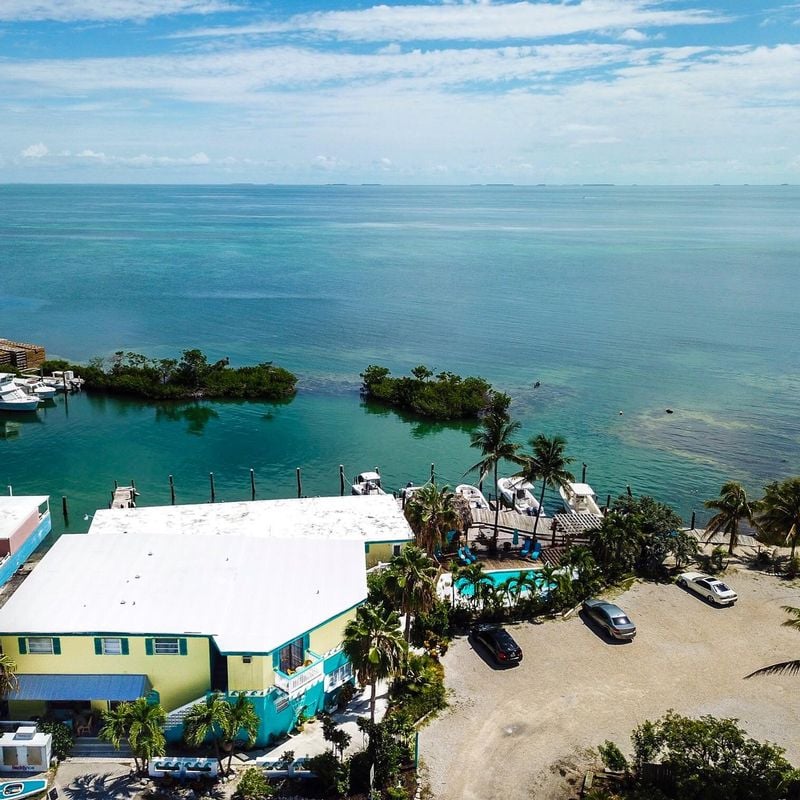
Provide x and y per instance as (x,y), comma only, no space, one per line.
(611,617)
(499,642)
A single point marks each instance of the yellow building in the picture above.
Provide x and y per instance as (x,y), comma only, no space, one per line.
(155,602)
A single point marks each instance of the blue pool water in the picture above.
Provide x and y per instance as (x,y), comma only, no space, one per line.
(497,577)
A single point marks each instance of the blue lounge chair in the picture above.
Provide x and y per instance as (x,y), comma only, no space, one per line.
(536,552)
(463,557)
(526,548)
(469,554)
(449,536)
(437,552)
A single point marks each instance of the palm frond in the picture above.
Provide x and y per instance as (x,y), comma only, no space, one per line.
(784,668)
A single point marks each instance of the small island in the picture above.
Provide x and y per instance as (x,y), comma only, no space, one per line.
(191,377)
(444,396)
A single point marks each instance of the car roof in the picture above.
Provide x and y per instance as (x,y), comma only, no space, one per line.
(693,576)
(611,608)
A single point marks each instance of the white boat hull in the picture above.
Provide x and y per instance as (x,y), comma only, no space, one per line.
(473,495)
(517,494)
(580,499)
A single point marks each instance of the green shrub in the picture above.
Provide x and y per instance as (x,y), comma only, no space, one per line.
(396,793)
(421,690)
(63,737)
(253,785)
(612,757)
(332,775)
(431,629)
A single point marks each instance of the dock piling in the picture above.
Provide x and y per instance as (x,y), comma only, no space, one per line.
(211,481)
(583,473)
(252,484)
(341,480)
(433,474)
(693,520)
(171,490)
(64,509)
(299,483)
(628,490)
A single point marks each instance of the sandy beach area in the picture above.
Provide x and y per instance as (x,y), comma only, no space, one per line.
(525,732)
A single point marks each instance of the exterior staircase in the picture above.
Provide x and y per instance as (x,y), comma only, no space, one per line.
(92,747)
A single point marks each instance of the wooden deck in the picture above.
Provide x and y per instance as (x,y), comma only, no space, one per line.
(124,497)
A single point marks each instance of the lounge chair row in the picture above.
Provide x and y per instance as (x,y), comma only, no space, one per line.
(531,549)
(466,556)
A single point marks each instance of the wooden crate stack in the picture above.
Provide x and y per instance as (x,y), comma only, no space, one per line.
(20,354)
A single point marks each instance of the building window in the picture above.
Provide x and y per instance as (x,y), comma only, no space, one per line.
(163,646)
(292,656)
(247,659)
(396,548)
(342,674)
(40,645)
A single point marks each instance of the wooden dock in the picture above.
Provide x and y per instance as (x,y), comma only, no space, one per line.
(124,497)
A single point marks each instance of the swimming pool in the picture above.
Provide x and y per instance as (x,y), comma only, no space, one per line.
(500,576)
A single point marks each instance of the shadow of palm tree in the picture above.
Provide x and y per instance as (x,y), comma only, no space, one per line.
(101,787)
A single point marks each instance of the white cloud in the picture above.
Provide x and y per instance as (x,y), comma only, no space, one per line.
(104,10)
(144,160)
(633,35)
(35,151)
(472,21)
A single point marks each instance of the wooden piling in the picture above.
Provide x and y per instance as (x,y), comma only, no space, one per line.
(64,508)
(628,490)
(252,484)
(171,490)
(433,474)
(583,473)
(213,493)
(608,503)
(693,520)
(299,483)
(341,480)
(116,486)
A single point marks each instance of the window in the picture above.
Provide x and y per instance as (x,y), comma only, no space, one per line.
(291,656)
(165,646)
(340,675)
(40,645)
(247,659)
(111,646)
(396,548)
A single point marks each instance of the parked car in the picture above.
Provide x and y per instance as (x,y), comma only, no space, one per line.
(610,617)
(710,589)
(499,642)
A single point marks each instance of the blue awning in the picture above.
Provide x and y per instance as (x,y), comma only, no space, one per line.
(80,687)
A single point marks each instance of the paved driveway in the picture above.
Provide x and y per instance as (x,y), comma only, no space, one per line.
(524,732)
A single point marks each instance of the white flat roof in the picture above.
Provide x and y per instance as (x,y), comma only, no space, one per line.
(14,510)
(582,488)
(250,594)
(374,518)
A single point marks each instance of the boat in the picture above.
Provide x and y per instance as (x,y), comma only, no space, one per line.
(516,493)
(367,483)
(473,495)
(22,788)
(408,491)
(579,498)
(63,380)
(35,387)
(13,398)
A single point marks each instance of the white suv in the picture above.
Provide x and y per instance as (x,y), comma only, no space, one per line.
(710,589)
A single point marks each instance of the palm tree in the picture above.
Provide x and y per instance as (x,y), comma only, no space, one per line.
(493,439)
(548,464)
(241,717)
(430,512)
(411,581)
(116,723)
(474,576)
(375,647)
(208,719)
(146,730)
(732,507)
(8,676)
(616,544)
(785,667)
(778,512)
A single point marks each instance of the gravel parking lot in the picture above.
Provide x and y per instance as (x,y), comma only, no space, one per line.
(524,732)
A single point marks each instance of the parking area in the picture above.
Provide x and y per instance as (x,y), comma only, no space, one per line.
(523,732)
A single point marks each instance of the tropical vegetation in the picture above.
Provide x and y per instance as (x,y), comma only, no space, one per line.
(732,507)
(791,667)
(411,583)
(431,512)
(699,759)
(443,396)
(190,377)
(778,513)
(142,724)
(8,676)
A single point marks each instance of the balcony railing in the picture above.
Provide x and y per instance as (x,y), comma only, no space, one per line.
(302,677)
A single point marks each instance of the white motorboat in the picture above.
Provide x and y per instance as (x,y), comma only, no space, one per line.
(473,495)
(13,398)
(516,492)
(408,491)
(367,483)
(34,386)
(63,380)
(579,498)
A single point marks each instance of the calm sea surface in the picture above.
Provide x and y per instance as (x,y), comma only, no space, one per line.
(615,299)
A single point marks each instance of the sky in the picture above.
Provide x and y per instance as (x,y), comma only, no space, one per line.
(347,91)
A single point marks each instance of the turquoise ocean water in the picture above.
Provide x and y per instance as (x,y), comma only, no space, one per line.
(632,299)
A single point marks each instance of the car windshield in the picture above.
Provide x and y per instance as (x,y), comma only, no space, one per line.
(621,620)
(721,587)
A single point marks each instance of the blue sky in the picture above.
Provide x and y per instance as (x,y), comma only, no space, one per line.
(577,91)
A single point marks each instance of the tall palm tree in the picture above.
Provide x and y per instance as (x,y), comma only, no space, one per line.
(411,582)
(210,719)
(8,676)
(473,576)
(242,717)
(116,723)
(493,439)
(430,512)
(616,544)
(375,647)
(547,463)
(785,667)
(778,512)
(732,506)
(146,730)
